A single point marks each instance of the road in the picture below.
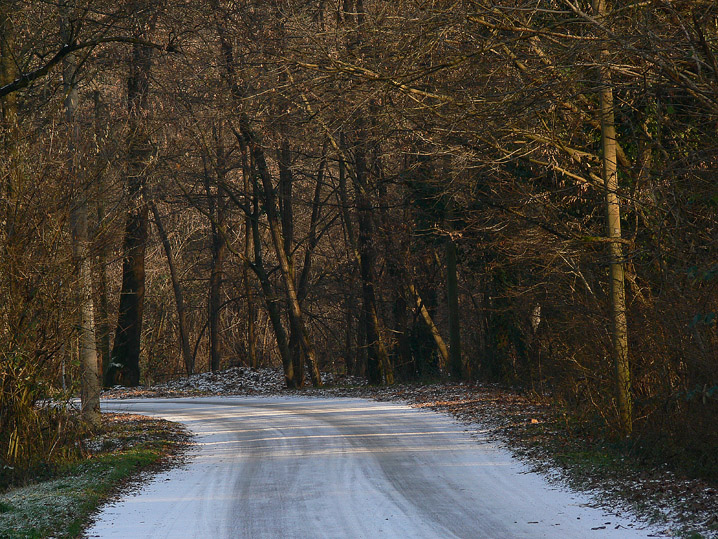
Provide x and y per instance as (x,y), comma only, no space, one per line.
(333,467)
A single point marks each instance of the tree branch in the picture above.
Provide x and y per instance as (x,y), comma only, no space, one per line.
(24,80)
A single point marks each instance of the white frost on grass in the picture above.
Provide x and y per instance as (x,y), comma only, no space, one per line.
(42,505)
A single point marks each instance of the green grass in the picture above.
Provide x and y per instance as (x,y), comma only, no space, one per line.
(61,506)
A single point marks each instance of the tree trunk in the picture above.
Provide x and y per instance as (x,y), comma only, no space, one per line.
(270,299)
(313,237)
(286,212)
(215,300)
(438,340)
(177,289)
(256,153)
(249,296)
(219,248)
(295,310)
(125,365)
(90,383)
(452,293)
(102,321)
(378,365)
(619,325)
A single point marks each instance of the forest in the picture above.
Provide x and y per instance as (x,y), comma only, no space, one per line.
(459,190)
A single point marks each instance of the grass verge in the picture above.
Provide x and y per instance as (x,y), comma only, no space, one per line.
(60,506)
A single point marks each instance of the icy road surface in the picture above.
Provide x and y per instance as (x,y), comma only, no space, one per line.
(308,467)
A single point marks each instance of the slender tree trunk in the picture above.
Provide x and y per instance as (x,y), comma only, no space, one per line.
(219,248)
(102,321)
(378,365)
(295,310)
(286,212)
(349,356)
(313,238)
(215,299)
(256,153)
(177,289)
(619,325)
(102,316)
(125,365)
(249,295)
(90,383)
(438,340)
(271,301)
(355,360)
(452,293)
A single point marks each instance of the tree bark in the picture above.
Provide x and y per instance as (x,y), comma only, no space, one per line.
(125,365)
(452,293)
(295,310)
(378,365)
(286,211)
(619,325)
(90,383)
(270,299)
(219,248)
(102,321)
(187,356)
(438,340)
(256,152)
(249,296)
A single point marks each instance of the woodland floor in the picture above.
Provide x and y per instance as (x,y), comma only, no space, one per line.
(530,427)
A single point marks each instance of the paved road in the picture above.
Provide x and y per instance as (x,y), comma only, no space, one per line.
(305,467)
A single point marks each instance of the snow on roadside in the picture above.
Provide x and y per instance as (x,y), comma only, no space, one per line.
(233,381)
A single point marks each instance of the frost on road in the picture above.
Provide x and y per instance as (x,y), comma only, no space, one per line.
(302,467)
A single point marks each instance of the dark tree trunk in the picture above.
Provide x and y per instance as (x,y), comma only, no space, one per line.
(452,293)
(251,142)
(378,366)
(215,300)
(125,362)
(219,249)
(124,368)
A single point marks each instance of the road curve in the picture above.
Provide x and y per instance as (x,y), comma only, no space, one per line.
(333,467)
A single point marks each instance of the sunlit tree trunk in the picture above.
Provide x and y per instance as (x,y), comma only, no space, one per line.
(90,383)
(251,141)
(270,298)
(313,237)
(248,293)
(295,310)
(619,326)
(435,334)
(286,212)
